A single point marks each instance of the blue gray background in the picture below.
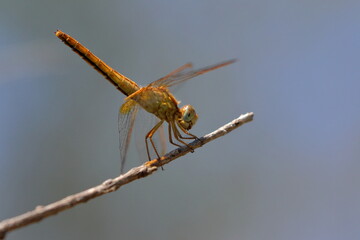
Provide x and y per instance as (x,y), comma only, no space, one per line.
(293,173)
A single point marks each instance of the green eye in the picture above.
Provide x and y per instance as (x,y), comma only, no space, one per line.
(188,115)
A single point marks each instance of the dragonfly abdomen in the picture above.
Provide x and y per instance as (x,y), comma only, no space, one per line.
(121,82)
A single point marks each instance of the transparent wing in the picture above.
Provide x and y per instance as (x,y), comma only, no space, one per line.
(162,140)
(183,74)
(176,71)
(126,119)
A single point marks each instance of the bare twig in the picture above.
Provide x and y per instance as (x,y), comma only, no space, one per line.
(111,185)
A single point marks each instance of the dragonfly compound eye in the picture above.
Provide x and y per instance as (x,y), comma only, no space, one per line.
(188,117)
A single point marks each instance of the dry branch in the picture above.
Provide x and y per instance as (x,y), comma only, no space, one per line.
(111,185)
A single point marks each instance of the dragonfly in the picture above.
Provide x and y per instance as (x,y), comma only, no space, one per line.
(155,98)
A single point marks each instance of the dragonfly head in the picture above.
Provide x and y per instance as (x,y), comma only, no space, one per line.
(188,117)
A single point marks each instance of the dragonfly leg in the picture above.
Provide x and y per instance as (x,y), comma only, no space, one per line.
(170,137)
(192,136)
(149,136)
(177,134)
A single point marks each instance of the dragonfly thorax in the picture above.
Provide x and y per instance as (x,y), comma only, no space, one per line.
(188,117)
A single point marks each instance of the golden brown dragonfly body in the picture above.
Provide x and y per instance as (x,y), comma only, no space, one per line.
(154,98)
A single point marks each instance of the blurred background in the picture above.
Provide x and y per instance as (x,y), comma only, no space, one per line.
(292,173)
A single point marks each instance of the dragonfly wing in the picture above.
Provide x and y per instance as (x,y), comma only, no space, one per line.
(186,74)
(162,140)
(183,68)
(127,115)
